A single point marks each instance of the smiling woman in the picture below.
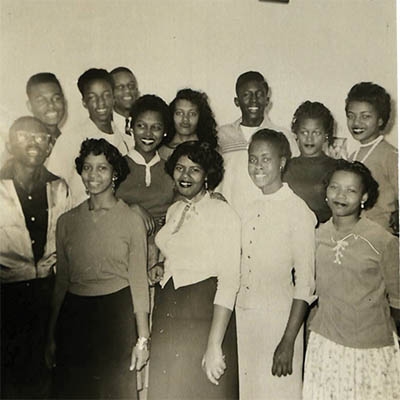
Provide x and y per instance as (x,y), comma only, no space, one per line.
(101,286)
(199,277)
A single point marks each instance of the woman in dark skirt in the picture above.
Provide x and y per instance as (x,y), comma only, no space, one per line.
(101,286)
(194,354)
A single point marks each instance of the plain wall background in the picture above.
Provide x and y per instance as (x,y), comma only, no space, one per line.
(307,49)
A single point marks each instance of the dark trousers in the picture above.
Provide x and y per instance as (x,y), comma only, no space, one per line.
(25,308)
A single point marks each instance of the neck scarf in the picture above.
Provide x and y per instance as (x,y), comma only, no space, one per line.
(138,158)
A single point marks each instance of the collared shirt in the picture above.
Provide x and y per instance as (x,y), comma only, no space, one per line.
(62,158)
(278,237)
(204,243)
(34,207)
(21,223)
(357,280)
(123,125)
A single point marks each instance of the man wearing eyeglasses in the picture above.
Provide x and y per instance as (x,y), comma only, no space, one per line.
(126,92)
(32,199)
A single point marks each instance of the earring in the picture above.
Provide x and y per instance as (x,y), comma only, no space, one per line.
(206,184)
(326,199)
(362,205)
(165,134)
(114,178)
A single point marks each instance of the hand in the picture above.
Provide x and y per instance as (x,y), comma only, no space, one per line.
(148,220)
(156,273)
(49,354)
(213,364)
(283,357)
(139,358)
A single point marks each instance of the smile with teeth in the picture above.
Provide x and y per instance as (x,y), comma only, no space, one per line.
(185,184)
(33,152)
(101,110)
(253,109)
(148,141)
(358,130)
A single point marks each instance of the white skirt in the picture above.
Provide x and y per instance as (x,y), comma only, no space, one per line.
(333,371)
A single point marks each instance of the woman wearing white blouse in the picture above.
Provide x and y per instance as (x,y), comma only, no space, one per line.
(199,279)
(277,277)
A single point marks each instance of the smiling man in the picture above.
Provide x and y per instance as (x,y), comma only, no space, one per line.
(32,199)
(126,92)
(46,101)
(252,97)
(96,87)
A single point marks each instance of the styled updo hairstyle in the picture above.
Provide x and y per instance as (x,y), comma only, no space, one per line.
(370,185)
(314,110)
(277,139)
(151,102)
(373,94)
(200,153)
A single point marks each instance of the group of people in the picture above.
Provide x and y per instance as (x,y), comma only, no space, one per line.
(148,253)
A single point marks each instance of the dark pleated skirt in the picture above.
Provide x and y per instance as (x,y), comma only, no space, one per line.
(181,324)
(95,336)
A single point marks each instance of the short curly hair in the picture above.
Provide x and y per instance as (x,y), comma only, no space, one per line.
(314,110)
(250,76)
(373,94)
(277,139)
(94,74)
(200,153)
(207,126)
(112,154)
(41,77)
(370,185)
(151,102)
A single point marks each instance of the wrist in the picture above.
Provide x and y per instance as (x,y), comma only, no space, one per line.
(142,343)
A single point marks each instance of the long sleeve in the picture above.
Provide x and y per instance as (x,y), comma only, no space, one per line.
(62,271)
(228,245)
(390,271)
(303,244)
(137,265)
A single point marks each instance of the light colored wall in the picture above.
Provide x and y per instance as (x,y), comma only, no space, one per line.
(307,49)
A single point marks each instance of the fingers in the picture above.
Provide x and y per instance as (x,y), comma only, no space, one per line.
(281,368)
(215,371)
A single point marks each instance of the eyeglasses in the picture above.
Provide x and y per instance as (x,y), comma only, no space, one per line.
(39,138)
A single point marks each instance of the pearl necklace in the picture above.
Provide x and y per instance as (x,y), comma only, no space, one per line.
(373,145)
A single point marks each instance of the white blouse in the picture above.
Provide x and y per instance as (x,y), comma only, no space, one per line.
(202,240)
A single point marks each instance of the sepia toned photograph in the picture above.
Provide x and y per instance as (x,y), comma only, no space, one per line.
(199,200)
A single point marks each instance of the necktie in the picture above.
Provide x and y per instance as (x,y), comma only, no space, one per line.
(128,127)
